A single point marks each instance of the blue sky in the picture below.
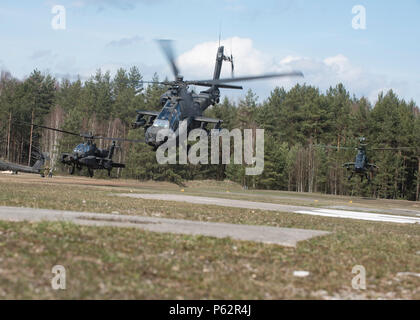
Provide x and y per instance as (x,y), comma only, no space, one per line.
(315,37)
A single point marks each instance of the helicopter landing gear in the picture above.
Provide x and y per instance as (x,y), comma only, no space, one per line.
(350,176)
(90,172)
(109,172)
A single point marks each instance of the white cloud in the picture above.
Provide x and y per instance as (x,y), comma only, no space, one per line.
(198,63)
(200,60)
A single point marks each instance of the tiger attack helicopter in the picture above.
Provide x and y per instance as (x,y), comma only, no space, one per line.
(361,165)
(179,104)
(88,155)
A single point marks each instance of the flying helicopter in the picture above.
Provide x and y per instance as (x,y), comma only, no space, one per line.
(361,165)
(179,104)
(88,155)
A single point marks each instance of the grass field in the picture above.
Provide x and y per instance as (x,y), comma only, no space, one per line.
(105,262)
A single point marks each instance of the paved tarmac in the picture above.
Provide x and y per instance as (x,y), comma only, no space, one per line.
(349,213)
(270,235)
(215,201)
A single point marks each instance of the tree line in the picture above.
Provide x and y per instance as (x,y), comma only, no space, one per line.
(294,121)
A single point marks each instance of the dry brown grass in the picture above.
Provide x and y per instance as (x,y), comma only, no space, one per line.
(133,264)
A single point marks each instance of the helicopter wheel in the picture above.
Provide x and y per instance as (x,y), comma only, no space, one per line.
(90,171)
(71,169)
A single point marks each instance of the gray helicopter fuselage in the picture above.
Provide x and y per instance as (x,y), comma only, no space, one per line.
(179,105)
(361,162)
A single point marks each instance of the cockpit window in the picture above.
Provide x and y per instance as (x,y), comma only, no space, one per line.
(166,111)
(360,157)
(82,148)
(176,113)
(360,161)
(169,117)
(161,123)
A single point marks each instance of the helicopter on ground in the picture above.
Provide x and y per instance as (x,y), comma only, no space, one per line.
(37,168)
(361,165)
(88,155)
(179,104)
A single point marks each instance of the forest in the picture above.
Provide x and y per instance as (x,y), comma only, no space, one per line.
(294,121)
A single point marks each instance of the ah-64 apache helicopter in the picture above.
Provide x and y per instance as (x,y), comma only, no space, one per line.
(88,155)
(179,104)
(37,168)
(361,165)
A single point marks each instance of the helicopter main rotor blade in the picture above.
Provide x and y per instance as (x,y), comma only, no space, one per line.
(49,128)
(207,84)
(166,46)
(194,83)
(334,147)
(117,139)
(158,82)
(250,78)
(394,149)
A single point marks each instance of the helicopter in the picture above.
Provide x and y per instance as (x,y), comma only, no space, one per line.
(88,155)
(37,168)
(179,104)
(361,165)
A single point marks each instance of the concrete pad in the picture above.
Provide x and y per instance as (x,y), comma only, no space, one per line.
(271,235)
(395,211)
(360,215)
(369,216)
(215,201)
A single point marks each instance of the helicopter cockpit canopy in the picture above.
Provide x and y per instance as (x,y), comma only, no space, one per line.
(169,117)
(360,160)
(82,149)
